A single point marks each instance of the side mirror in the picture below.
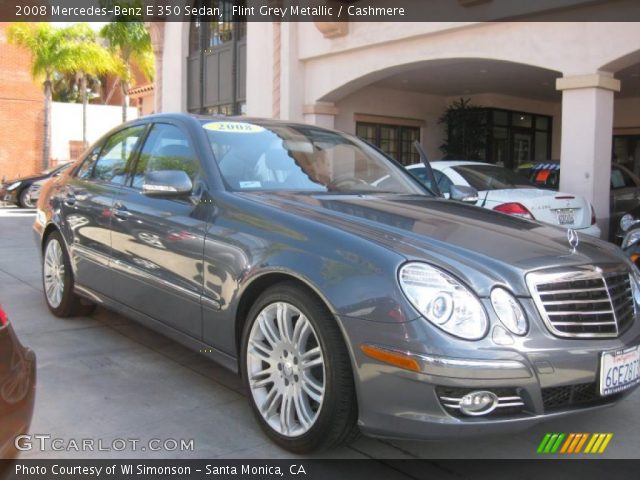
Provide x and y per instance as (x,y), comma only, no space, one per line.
(464,194)
(167,183)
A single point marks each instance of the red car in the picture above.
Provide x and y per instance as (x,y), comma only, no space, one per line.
(17,387)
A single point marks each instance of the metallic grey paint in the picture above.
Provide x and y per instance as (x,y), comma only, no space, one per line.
(183,267)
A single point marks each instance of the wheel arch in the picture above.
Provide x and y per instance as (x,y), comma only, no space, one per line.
(48,230)
(256,286)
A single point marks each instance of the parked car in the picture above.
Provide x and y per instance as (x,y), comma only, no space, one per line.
(344,305)
(34,189)
(508,192)
(628,232)
(625,186)
(17,387)
(16,191)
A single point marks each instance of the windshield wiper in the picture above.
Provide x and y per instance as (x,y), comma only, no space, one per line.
(433,189)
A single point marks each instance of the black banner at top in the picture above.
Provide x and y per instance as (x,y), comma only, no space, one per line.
(319,10)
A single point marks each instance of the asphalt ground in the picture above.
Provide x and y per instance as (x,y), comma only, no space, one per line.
(104,377)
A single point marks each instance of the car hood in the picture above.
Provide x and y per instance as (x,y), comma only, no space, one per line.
(31,178)
(481,246)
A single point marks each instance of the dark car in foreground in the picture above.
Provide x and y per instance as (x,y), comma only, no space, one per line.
(271,248)
(16,191)
(17,387)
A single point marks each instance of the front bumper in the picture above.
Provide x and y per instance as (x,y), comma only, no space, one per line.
(549,377)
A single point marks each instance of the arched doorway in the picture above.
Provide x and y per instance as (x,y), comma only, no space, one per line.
(516,109)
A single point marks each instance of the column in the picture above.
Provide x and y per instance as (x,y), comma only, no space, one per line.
(587,129)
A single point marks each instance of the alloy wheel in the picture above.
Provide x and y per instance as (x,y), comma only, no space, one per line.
(286,369)
(54,272)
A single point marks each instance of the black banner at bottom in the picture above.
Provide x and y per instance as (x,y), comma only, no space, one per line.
(316,469)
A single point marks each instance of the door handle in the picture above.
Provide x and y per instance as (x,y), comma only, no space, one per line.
(70,199)
(120,212)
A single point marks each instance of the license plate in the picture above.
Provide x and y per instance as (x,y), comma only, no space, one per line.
(619,370)
(565,216)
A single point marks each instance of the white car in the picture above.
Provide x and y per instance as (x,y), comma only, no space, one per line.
(512,193)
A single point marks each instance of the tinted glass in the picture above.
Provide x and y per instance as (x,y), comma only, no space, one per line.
(302,158)
(111,165)
(166,148)
(444,183)
(490,177)
(86,169)
(621,179)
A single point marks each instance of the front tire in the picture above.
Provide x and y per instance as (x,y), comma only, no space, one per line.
(24,200)
(57,280)
(297,371)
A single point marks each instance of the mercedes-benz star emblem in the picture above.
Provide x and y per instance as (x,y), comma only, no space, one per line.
(572,238)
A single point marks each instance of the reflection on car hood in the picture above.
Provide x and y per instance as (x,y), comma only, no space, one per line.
(30,178)
(449,233)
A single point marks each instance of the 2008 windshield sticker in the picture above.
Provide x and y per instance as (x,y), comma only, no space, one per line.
(233,127)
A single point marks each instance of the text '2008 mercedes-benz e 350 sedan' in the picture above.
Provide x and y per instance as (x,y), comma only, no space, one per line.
(344,305)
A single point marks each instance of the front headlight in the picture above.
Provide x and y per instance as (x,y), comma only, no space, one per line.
(631,238)
(626,221)
(443,301)
(509,311)
(13,186)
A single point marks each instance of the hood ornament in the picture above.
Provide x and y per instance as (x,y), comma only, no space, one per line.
(572,238)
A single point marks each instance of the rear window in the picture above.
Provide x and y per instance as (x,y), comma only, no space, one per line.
(492,177)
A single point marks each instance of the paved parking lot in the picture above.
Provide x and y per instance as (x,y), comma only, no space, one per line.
(105,377)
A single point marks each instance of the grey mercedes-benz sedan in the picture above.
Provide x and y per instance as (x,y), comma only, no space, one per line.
(347,304)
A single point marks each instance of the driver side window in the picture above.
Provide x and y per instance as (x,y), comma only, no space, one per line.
(166,148)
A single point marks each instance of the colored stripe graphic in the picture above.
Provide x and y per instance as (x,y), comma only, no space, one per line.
(572,443)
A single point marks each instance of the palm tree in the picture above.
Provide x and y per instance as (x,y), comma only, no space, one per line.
(90,60)
(50,52)
(131,44)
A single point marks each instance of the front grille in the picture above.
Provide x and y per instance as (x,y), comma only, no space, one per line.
(584,304)
(583,395)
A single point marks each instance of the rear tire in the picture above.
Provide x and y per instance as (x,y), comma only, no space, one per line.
(58,281)
(297,371)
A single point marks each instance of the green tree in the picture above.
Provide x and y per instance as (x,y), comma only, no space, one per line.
(130,43)
(50,53)
(90,60)
(465,129)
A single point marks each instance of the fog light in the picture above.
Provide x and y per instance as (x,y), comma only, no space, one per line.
(478,403)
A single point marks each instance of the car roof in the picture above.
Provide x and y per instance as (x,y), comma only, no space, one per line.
(264,122)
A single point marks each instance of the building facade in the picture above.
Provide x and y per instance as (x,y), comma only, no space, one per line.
(566,91)
(21,113)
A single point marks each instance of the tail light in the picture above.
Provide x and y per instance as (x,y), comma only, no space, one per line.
(4,320)
(593,216)
(515,209)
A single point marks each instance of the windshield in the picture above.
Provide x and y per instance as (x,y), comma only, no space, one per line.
(302,158)
(492,177)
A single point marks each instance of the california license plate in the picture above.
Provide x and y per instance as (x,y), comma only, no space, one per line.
(619,370)
(565,216)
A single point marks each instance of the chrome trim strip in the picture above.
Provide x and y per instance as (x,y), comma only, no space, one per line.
(580,312)
(208,302)
(564,302)
(503,402)
(158,282)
